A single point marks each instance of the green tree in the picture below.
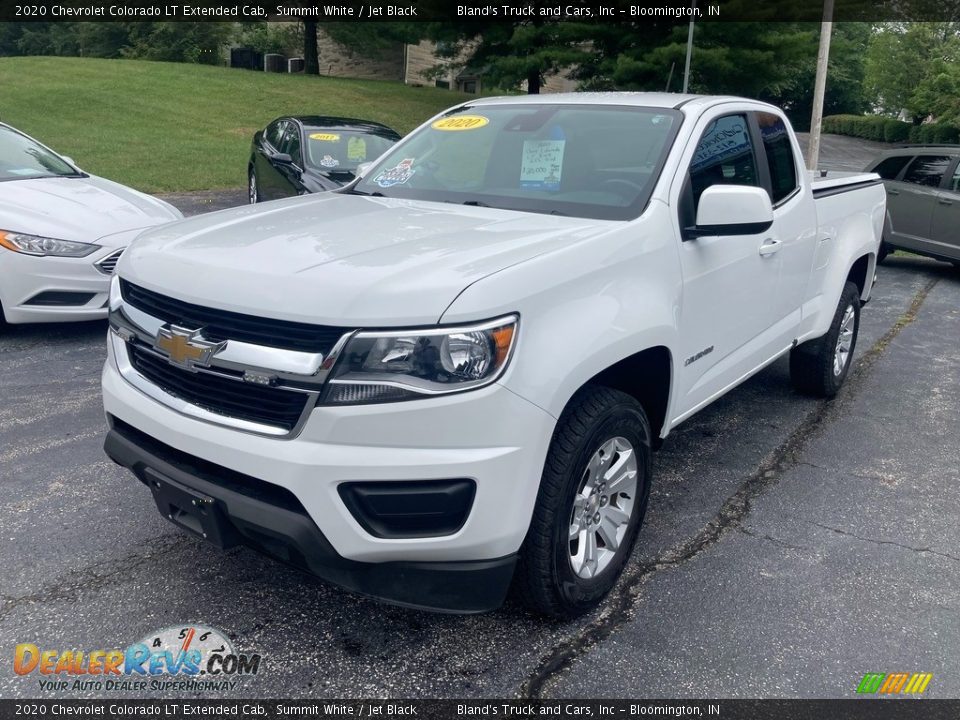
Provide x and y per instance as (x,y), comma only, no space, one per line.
(511,53)
(196,42)
(912,67)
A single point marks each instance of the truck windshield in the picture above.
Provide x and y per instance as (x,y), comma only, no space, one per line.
(579,160)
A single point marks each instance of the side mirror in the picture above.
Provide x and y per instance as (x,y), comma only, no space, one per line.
(362,169)
(69,160)
(731,210)
(282,158)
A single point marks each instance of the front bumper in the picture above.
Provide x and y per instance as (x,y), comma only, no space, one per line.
(24,277)
(490,436)
(236,513)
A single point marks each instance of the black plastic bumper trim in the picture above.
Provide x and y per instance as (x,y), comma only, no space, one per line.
(292,537)
(60,298)
(409,508)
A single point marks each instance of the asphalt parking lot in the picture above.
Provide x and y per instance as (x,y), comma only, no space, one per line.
(791,544)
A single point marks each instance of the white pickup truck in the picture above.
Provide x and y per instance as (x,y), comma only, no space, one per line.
(451,375)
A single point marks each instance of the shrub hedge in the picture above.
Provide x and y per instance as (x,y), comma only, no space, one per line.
(885,129)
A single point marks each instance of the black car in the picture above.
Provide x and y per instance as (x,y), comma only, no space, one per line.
(311,153)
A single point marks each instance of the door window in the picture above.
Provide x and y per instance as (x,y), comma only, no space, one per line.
(955,181)
(291,143)
(927,170)
(891,167)
(779,152)
(724,156)
(274,133)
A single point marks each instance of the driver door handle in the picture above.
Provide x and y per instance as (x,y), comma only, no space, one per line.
(769,246)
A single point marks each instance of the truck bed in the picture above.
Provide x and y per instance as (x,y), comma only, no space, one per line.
(832,182)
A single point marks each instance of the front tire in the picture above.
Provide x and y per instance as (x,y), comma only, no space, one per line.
(819,367)
(253,187)
(593,495)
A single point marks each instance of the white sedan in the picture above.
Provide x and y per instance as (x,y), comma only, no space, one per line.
(62,232)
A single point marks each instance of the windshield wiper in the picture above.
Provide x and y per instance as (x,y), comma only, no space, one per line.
(354,191)
(475,203)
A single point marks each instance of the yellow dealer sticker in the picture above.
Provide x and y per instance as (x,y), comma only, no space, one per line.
(460,122)
(325,137)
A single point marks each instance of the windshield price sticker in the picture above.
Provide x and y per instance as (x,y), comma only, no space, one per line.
(356,149)
(542,164)
(460,122)
(325,137)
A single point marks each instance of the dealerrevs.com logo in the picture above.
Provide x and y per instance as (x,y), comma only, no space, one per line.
(189,658)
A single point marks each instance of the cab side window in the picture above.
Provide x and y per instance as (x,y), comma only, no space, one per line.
(779,152)
(927,170)
(724,156)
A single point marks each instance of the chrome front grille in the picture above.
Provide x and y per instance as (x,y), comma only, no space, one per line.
(221,392)
(229,325)
(246,386)
(109,264)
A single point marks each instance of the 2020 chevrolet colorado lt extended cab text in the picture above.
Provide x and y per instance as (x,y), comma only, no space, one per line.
(451,374)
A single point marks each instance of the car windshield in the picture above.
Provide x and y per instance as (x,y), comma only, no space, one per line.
(338,150)
(579,160)
(21,158)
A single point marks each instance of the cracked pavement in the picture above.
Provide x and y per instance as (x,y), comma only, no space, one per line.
(790,546)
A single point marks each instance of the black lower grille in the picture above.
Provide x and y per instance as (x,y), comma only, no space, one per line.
(233,398)
(220,325)
(60,298)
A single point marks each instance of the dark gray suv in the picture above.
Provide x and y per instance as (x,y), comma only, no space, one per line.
(923,200)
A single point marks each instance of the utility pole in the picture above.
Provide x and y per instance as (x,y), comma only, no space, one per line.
(820,85)
(686,67)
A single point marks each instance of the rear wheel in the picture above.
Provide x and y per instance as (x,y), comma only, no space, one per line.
(253,187)
(819,367)
(593,495)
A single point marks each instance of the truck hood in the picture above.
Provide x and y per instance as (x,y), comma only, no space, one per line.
(86,209)
(342,259)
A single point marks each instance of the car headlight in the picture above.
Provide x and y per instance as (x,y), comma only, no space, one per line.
(44,246)
(398,365)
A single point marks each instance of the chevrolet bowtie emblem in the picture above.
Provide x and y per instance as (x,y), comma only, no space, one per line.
(184,348)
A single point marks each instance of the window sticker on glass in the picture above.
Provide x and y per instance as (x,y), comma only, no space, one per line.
(460,122)
(356,149)
(727,138)
(325,137)
(542,164)
(328,161)
(397,175)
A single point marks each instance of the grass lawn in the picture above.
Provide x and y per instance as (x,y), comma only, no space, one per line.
(164,127)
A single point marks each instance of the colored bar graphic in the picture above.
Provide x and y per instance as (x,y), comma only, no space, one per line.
(894,683)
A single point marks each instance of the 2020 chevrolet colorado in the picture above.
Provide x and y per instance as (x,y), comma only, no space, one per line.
(452,373)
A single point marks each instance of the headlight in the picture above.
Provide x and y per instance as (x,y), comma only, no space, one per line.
(44,246)
(409,364)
